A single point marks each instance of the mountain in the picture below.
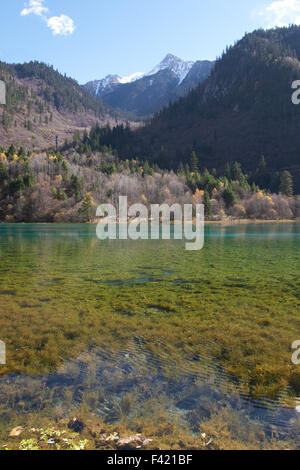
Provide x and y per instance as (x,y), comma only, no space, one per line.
(107,84)
(242,112)
(179,67)
(142,95)
(42,104)
(97,87)
(196,75)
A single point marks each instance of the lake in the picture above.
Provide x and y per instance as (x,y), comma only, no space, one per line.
(148,337)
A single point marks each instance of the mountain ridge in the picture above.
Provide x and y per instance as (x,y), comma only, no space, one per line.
(178,66)
(44,108)
(134,94)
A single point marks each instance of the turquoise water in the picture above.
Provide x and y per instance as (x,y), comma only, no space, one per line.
(89,322)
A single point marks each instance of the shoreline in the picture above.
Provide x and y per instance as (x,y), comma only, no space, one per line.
(251,221)
(225,222)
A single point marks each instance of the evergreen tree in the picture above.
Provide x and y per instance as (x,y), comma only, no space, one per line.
(3,173)
(194,163)
(147,169)
(229,196)
(86,210)
(286,184)
(76,187)
(236,172)
(21,152)
(228,171)
(11,151)
(207,205)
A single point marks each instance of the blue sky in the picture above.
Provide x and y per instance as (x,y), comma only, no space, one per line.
(92,38)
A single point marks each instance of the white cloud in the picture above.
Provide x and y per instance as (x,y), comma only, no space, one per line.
(62,24)
(35,7)
(281,13)
(59,25)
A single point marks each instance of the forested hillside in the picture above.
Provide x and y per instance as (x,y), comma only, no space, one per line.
(68,187)
(43,107)
(242,112)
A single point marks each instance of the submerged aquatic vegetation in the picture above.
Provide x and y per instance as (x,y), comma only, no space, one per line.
(132,331)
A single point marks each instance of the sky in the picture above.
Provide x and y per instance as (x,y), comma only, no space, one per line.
(90,39)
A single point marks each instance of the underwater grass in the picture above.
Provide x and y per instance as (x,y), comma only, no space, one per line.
(233,307)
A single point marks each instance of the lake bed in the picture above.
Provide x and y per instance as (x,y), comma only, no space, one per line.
(147,337)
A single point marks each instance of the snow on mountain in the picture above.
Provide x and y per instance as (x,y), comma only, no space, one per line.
(178,66)
(131,78)
(142,95)
(107,82)
(97,87)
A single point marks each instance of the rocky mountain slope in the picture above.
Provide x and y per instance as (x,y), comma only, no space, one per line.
(44,107)
(142,95)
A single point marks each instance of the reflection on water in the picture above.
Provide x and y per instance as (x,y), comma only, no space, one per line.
(110,327)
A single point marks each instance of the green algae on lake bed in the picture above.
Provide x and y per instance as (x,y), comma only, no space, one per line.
(123,325)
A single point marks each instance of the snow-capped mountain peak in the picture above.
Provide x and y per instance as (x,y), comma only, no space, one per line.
(107,82)
(178,66)
(97,87)
(110,83)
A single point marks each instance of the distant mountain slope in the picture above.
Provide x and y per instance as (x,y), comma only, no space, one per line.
(174,64)
(241,112)
(142,95)
(42,104)
(196,75)
(107,84)
(145,96)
